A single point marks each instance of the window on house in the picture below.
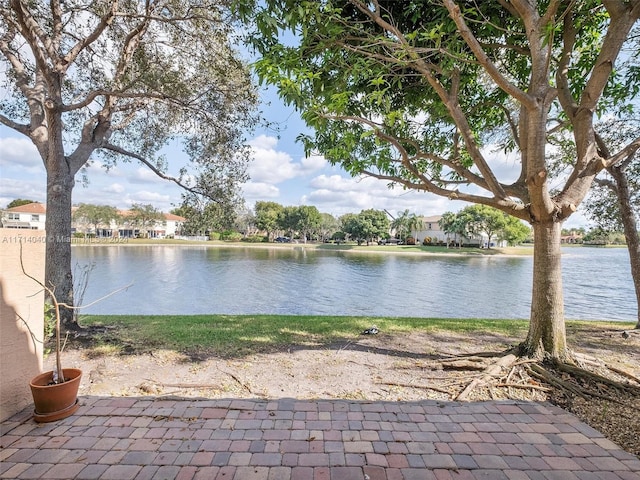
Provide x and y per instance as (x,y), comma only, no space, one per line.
(35,218)
(14,216)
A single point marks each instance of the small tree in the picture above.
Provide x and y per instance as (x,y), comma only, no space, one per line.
(328,226)
(96,215)
(451,223)
(481,219)
(267,214)
(144,217)
(366,226)
(308,220)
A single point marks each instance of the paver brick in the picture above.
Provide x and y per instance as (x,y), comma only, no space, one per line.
(288,439)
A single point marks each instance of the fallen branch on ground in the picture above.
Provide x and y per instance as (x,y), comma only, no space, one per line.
(411,385)
(490,372)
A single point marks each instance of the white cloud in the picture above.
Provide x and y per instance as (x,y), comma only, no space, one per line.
(20,153)
(145,196)
(143,175)
(257,191)
(339,195)
(313,163)
(12,188)
(270,165)
(114,188)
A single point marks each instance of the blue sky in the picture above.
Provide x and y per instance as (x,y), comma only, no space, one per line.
(279,172)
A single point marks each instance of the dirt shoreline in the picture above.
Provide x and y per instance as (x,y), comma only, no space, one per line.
(382,367)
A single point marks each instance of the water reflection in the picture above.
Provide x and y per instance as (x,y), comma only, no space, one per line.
(197,279)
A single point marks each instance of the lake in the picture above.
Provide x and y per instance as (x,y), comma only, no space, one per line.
(194,279)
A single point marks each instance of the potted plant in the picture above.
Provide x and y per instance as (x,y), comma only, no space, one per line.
(55,393)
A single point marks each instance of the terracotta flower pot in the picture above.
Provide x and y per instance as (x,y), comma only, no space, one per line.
(58,400)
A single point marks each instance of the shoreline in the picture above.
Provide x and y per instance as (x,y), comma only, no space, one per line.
(409,250)
(349,248)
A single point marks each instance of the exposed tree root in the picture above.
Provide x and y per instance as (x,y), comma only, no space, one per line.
(576,371)
(490,373)
(524,386)
(623,373)
(512,372)
(543,374)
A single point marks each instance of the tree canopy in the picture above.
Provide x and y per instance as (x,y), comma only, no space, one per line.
(107,81)
(420,93)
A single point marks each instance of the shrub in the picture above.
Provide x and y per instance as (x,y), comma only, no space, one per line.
(255,239)
(230,236)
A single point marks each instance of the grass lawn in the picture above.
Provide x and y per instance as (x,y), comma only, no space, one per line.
(228,335)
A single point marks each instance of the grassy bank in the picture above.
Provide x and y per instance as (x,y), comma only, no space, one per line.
(229,335)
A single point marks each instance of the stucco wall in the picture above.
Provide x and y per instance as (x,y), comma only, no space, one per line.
(20,297)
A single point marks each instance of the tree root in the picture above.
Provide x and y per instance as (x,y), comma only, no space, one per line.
(623,373)
(489,373)
(598,378)
(541,373)
(524,386)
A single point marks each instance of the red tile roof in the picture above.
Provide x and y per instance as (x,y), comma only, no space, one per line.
(32,208)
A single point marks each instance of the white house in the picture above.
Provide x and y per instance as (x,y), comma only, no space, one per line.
(169,226)
(431,228)
(33,216)
(30,216)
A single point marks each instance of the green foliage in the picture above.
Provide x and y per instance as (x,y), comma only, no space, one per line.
(144,217)
(255,239)
(18,202)
(204,215)
(95,215)
(49,321)
(230,236)
(267,214)
(414,92)
(366,226)
(481,219)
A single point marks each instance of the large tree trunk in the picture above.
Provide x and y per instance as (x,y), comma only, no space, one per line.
(630,229)
(58,275)
(546,327)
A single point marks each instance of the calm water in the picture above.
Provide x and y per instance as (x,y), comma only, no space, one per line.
(198,279)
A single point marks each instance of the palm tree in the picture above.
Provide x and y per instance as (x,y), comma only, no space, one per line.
(400,224)
(415,224)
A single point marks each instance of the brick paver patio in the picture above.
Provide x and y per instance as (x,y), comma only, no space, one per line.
(236,439)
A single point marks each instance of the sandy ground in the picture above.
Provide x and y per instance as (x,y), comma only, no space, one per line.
(369,367)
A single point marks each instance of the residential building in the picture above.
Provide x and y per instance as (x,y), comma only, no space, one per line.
(30,216)
(33,216)
(431,229)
